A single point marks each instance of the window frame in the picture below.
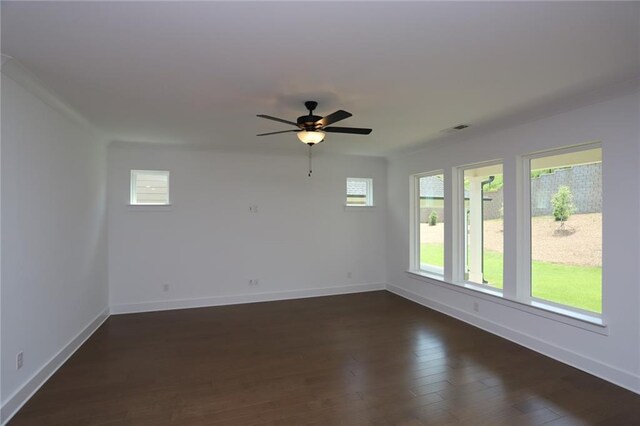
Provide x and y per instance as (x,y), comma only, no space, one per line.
(525,279)
(459,245)
(368,195)
(133,178)
(415,264)
(516,291)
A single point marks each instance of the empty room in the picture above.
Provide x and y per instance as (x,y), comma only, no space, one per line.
(320,213)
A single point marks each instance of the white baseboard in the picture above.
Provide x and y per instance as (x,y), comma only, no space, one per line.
(22,395)
(625,379)
(243,298)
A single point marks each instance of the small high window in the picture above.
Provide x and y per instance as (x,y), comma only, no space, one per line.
(149,187)
(359,192)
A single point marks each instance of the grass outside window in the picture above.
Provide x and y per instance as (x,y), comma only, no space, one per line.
(572,285)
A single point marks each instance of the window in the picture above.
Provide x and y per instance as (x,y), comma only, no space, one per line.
(566,228)
(483,225)
(149,187)
(359,192)
(555,263)
(430,214)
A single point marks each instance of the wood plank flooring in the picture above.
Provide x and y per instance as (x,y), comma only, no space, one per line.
(361,359)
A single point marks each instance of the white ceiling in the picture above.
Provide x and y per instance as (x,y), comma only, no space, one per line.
(198,73)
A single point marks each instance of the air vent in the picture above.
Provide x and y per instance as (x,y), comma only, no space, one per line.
(455,128)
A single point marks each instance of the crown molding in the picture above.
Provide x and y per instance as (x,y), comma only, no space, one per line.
(13,69)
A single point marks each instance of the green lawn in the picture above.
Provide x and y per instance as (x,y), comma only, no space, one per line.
(577,286)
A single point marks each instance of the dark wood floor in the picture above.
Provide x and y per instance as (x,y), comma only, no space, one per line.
(362,359)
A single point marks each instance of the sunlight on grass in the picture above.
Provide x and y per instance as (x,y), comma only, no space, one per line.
(572,285)
(577,286)
(493,268)
(432,254)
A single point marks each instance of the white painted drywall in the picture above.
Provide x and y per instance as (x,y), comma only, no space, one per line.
(615,356)
(207,245)
(54,251)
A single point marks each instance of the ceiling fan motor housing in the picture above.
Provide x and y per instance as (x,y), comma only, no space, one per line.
(309,122)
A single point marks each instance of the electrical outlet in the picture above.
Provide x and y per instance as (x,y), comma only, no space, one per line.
(253,282)
(348,274)
(19,360)
(165,288)
(476,306)
(253,208)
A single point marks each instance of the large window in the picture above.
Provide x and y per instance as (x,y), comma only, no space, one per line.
(149,187)
(431,222)
(554,207)
(566,228)
(483,225)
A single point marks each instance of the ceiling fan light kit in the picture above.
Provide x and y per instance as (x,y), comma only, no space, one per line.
(311,138)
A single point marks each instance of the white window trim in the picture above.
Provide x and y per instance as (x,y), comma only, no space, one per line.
(524,244)
(369,194)
(414,226)
(132,188)
(587,322)
(153,208)
(359,208)
(459,231)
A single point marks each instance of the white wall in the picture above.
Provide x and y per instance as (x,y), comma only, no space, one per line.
(615,356)
(54,251)
(207,245)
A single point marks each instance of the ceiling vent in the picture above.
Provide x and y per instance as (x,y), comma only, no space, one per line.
(455,128)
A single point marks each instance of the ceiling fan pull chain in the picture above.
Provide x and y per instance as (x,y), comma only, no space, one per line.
(310,146)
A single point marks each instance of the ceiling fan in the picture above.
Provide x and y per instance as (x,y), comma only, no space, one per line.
(311,128)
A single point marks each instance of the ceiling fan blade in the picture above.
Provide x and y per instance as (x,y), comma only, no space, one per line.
(352,130)
(275,133)
(334,117)
(268,117)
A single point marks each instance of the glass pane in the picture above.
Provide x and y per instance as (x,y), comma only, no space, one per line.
(483,222)
(432,223)
(358,191)
(566,229)
(151,187)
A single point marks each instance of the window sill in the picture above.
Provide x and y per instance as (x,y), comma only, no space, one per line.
(428,274)
(150,207)
(359,208)
(493,291)
(587,322)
